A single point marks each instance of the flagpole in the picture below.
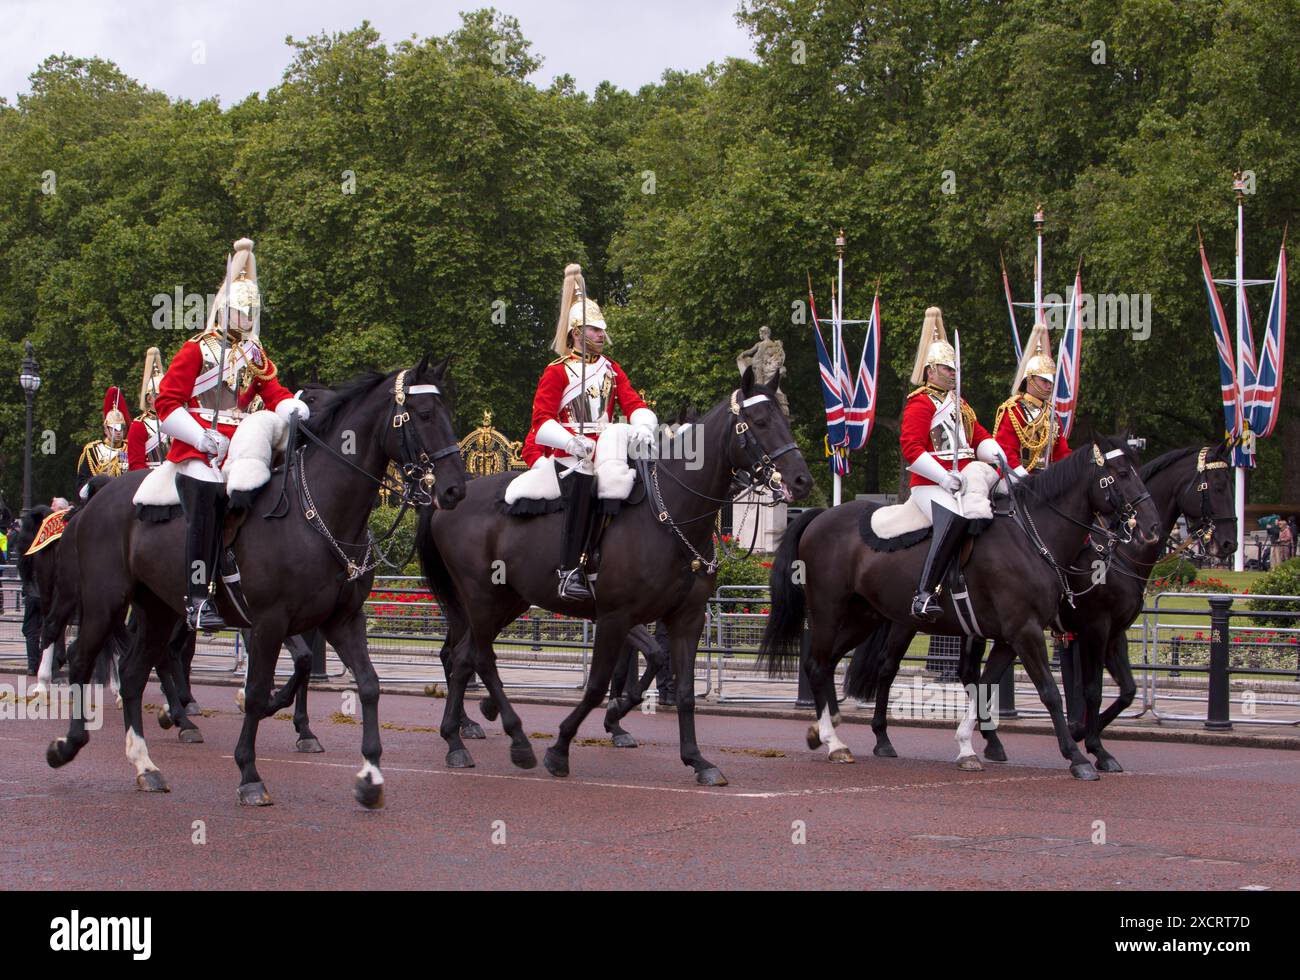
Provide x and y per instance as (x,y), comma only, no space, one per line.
(1238,185)
(1038,266)
(837,490)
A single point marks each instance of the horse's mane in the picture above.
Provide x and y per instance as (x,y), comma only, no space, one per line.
(1061,477)
(339,398)
(1166,461)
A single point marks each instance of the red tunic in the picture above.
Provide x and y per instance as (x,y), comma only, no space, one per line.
(176,390)
(137,446)
(546,405)
(914,434)
(1010,441)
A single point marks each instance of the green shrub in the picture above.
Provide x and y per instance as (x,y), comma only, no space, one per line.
(1283,580)
(740,570)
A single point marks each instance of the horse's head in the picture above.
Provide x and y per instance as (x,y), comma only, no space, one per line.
(419,437)
(1118,491)
(762,444)
(1208,501)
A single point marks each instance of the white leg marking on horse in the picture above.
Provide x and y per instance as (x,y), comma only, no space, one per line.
(138,753)
(372,771)
(826,728)
(965,730)
(44,673)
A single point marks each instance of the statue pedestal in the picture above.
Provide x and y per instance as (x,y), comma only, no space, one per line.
(771,523)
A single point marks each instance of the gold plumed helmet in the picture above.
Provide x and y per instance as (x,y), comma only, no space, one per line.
(572,310)
(933,347)
(153,372)
(1037,359)
(115,411)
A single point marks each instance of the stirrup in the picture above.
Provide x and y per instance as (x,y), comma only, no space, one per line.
(574,584)
(203,616)
(925,607)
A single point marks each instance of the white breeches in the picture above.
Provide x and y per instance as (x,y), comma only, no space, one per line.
(200,470)
(926,497)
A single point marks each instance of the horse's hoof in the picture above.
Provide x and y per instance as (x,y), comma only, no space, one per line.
(995,753)
(308,745)
(842,755)
(460,759)
(885,751)
(254,794)
(151,781)
(523,756)
(488,709)
(239,699)
(118,701)
(814,737)
(193,710)
(369,794)
(835,720)
(969,763)
(54,754)
(471,729)
(164,720)
(556,764)
(1108,763)
(1084,771)
(624,741)
(190,736)
(711,777)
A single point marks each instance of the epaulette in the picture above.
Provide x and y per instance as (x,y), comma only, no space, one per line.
(1005,407)
(145,416)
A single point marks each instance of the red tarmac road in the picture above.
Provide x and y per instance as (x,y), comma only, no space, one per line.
(1184,816)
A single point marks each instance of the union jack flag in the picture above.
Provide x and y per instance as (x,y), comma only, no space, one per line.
(1227,370)
(862,409)
(1066,388)
(835,393)
(1264,397)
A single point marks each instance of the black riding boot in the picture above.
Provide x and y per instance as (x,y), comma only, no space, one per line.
(949,529)
(204,506)
(577,529)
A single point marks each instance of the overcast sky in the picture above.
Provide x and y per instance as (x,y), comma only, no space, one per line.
(628,42)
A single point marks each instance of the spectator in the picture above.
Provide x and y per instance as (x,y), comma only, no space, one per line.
(1295,534)
(4,544)
(1282,549)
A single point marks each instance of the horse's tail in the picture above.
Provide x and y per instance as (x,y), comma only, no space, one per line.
(436,573)
(864,669)
(779,649)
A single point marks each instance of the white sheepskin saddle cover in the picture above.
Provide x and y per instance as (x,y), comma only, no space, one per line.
(247,465)
(614,477)
(907,517)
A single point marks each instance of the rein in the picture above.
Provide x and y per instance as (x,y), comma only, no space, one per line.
(1125,512)
(763,478)
(415,489)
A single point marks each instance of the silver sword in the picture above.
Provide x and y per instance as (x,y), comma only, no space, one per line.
(957,419)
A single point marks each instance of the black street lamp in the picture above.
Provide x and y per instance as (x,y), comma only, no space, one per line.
(30,381)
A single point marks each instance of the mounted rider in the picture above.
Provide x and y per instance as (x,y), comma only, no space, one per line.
(106,456)
(937,449)
(216,373)
(1026,425)
(146,443)
(574,403)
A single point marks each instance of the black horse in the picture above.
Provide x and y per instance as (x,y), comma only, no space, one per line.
(1196,483)
(847,591)
(657,562)
(312,567)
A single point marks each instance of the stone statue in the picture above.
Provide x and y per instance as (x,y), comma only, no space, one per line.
(767,358)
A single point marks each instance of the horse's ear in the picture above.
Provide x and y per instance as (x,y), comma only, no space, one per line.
(747,381)
(439,370)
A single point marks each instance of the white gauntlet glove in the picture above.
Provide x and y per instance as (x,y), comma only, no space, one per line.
(641,443)
(580,447)
(212,443)
(954,482)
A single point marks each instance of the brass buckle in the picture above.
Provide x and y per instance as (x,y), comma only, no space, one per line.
(398,420)
(742,428)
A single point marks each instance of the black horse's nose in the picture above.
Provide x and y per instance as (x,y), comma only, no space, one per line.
(451,497)
(801,485)
(1229,547)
